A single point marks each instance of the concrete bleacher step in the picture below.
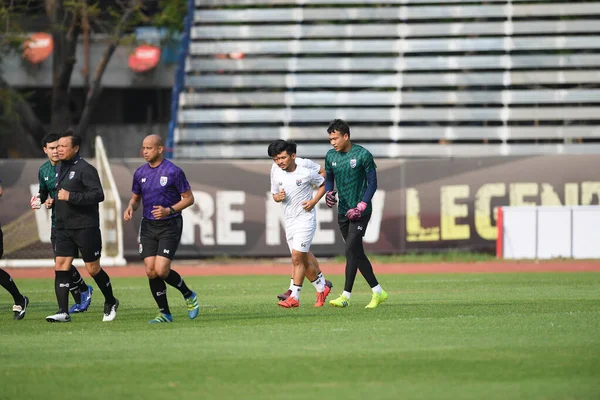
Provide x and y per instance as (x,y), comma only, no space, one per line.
(388,150)
(452,77)
(315,133)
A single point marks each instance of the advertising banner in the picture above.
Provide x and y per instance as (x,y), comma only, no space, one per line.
(428,205)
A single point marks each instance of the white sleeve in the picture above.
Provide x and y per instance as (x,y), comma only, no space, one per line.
(307,163)
(315,178)
(274,185)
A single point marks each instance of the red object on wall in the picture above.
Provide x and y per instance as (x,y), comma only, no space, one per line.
(38,47)
(144,58)
(238,55)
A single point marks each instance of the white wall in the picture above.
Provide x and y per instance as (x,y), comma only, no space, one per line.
(545,232)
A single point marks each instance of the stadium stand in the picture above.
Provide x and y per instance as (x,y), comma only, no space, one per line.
(414,78)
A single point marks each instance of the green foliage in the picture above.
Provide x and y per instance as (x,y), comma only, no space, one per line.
(115,21)
(171,16)
(11,33)
(459,336)
(76,6)
(7,104)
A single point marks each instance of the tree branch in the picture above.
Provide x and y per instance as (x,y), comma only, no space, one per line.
(25,120)
(69,59)
(95,89)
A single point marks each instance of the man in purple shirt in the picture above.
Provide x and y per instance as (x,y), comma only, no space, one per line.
(164,191)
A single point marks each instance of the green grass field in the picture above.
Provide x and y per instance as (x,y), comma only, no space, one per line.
(459,336)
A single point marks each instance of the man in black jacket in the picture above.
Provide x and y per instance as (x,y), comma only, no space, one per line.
(77,228)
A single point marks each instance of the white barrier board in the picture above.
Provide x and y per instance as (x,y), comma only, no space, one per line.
(546,232)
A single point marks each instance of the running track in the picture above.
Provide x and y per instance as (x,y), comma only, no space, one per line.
(186,268)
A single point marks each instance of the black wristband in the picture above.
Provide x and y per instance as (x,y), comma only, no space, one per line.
(172,210)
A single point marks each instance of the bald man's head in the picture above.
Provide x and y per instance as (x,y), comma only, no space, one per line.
(152,149)
(154,139)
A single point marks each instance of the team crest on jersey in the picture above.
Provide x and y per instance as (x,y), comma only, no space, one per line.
(353,163)
(163,180)
(298,182)
(71,174)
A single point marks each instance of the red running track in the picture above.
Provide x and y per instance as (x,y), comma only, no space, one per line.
(185,268)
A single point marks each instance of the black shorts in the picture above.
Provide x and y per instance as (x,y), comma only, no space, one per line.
(160,237)
(88,241)
(53,241)
(358,227)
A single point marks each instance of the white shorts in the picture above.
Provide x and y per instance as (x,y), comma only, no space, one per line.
(300,237)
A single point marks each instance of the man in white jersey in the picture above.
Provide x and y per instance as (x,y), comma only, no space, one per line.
(292,185)
(313,264)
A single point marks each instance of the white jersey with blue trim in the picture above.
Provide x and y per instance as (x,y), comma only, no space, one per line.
(298,186)
(301,162)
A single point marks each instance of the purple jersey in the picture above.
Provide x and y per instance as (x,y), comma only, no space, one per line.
(159,186)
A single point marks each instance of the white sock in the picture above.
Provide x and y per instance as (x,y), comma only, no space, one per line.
(291,284)
(347,294)
(296,292)
(377,289)
(319,284)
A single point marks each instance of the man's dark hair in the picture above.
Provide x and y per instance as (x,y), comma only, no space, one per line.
(49,138)
(339,125)
(75,139)
(279,146)
(271,150)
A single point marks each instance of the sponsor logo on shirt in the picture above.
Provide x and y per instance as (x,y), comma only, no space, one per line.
(143,180)
(163,180)
(334,163)
(46,178)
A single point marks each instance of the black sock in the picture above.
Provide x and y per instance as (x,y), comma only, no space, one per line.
(103,282)
(352,243)
(159,292)
(356,259)
(74,289)
(62,282)
(363,263)
(77,279)
(75,293)
(366,270)
(8,284)
(175,280)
